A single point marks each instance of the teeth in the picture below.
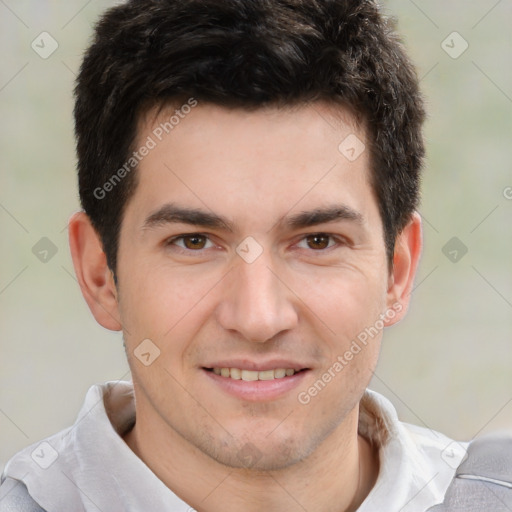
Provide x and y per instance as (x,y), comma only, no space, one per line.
(251,375)
(236,374)
(266,375)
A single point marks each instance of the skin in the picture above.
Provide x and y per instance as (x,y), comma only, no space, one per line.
(304,299)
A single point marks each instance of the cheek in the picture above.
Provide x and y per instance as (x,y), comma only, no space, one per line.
(168,306)
(350,318)
(346,307)
(344,302)
(156,298)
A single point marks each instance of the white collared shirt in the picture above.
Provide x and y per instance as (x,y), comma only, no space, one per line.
(88,467)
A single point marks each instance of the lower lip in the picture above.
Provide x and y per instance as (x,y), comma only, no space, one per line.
(257,390)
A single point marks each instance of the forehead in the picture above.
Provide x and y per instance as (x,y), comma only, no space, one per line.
(268,159)
(313,118)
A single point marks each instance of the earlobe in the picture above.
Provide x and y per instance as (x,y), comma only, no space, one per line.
(94,276)
(408,248)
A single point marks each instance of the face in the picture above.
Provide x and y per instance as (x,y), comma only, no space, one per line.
(251,257)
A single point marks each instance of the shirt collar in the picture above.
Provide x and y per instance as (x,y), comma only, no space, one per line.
(413,476)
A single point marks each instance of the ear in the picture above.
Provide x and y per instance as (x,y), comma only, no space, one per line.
(407,253)
(94,276)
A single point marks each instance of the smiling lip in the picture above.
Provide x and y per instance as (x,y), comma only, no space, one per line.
(246,364)
(254,381)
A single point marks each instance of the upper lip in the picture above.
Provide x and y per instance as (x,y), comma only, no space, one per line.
(259,366)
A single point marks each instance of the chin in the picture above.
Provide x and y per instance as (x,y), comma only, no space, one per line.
(261,453)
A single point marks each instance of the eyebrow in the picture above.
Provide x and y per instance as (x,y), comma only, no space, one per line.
(174,214)
(323,215)
(170,213)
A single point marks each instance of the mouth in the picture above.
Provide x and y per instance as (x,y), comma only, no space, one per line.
(256,383)
(254,375)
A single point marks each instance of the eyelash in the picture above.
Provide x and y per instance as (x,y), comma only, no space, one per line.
(339,242)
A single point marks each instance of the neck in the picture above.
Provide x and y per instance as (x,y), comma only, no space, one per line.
(337,477)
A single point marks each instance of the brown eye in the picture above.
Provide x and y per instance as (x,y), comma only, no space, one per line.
(318,241)
(194,242)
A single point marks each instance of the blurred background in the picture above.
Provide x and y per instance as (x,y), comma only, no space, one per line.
(447,366)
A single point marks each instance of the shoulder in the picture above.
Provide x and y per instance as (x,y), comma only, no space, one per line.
(14,497)
(483,480)
(435,444)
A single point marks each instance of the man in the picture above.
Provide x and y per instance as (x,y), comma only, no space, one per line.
(249,174)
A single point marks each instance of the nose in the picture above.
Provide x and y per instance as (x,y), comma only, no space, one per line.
(257,303)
